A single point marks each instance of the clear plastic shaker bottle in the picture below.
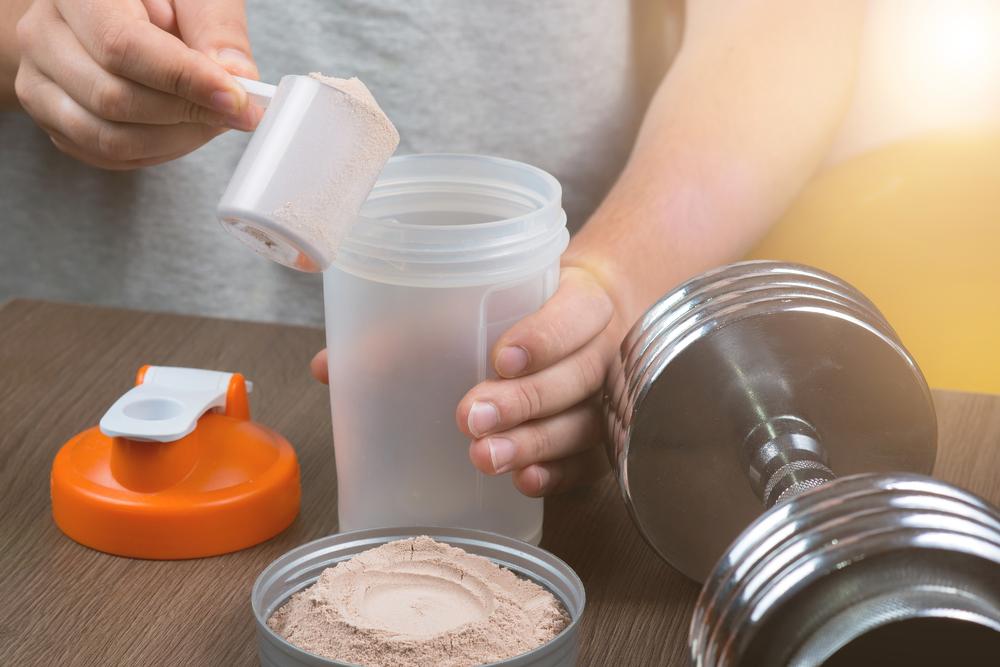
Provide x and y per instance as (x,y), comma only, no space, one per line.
(454,250)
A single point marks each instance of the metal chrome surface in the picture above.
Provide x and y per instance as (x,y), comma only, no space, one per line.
(837,562)
(743,347)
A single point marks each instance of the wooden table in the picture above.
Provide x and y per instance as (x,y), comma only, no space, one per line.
(61,367)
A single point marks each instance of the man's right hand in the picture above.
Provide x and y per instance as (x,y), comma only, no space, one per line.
(121,84)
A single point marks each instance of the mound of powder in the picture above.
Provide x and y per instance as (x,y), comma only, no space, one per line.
(419,602)
(364,139)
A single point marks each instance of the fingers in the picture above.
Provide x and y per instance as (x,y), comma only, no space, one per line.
(539,422)
(318,367)
(68,148)
(578,311)
(498,405)
(545,479)
(548,455)
(99,142)
(63,60)
(566,434)
(161,14)
(558,355)
(219,30)
(116,91)
(119,37)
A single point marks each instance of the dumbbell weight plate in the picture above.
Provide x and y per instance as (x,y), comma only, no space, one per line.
(657,343)
(678,455)
(661,347)
(726,276)
(838,562)
(699,299)
(738,279)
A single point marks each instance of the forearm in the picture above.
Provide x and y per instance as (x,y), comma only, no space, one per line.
(10,13)
(736,128)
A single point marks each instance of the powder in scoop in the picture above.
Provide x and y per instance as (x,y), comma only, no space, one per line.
(364,139)
(353,87)
(419,602)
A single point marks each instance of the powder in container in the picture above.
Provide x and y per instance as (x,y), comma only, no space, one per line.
(419,602)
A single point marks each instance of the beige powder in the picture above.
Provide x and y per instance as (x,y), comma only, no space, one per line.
(419,602)
(354,88)
(365,139)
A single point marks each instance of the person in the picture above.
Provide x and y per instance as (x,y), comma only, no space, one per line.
(729,132)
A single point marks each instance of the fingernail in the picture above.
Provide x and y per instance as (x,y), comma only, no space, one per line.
(502,452)
(483,418)
(543,478)
(246,120)
(225,102)
(511,361)
(234,59)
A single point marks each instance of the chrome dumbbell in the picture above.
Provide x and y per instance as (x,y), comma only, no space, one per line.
(778,388)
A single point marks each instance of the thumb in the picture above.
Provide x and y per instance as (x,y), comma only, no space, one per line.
(318,367)
(218,28)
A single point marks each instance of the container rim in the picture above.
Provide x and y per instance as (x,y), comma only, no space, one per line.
(374,537)
(516,224)
(549,196)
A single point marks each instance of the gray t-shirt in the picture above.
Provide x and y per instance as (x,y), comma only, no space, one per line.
(560,84)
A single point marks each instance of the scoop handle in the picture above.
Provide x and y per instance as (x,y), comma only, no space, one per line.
(258,91)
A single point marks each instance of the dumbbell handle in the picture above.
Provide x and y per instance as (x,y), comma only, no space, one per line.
(784,458)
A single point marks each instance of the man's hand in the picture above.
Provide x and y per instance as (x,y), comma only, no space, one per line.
(121,84)
(541,420)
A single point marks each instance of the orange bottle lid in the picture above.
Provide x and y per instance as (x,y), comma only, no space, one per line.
(176,469)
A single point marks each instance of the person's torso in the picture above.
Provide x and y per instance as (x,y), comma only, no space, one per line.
(560,84)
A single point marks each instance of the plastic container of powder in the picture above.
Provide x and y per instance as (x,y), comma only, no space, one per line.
(376,590)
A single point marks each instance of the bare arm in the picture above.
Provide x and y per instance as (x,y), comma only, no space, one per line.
(736,128)
(10,13)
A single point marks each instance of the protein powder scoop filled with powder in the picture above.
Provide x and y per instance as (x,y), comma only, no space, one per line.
(417,601)
(308,168)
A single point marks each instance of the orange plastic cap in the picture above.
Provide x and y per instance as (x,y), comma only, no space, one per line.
(226,485)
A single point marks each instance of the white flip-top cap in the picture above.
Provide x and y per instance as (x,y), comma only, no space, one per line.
(307,170)
(167,405)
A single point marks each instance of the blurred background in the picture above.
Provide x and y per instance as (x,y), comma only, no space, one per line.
(907,207)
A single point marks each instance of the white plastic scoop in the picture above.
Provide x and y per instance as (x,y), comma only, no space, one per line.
(260,93)
(308,168)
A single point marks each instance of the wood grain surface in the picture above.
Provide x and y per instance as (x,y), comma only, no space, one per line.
(61,367)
